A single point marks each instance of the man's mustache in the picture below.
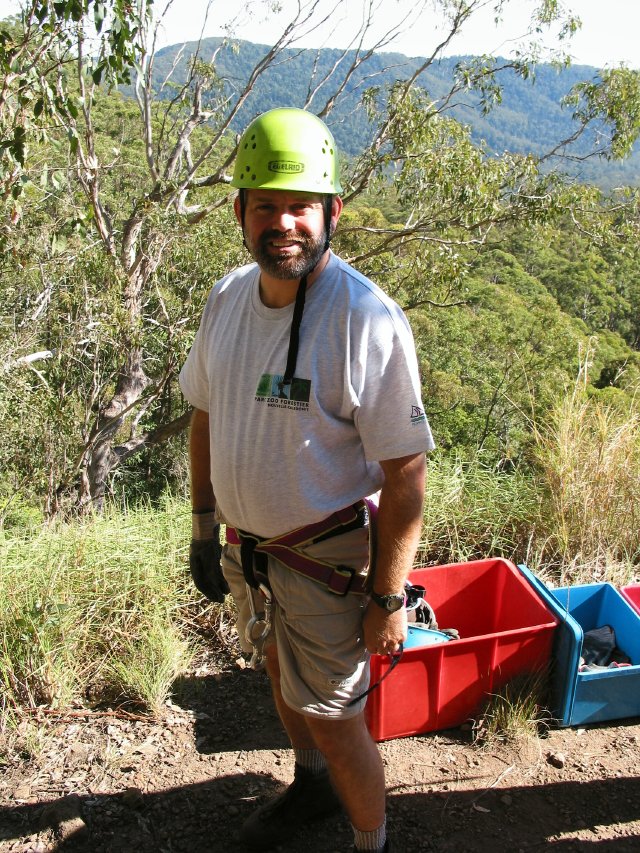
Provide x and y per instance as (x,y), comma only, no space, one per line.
(284,235)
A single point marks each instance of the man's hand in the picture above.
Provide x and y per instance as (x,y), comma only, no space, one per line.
(384,631)
(204,559)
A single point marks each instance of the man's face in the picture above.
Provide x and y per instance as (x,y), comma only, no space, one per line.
(284,231)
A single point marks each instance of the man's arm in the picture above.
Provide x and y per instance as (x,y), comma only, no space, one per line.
(399,524)
(202,497)
(205,551)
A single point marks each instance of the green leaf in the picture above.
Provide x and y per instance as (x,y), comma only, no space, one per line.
(72,109)
(73,140)
(99,14)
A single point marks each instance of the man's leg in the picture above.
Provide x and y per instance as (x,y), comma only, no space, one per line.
(355,767)
(295,724)
(352,756)
(321,668)
(310,796)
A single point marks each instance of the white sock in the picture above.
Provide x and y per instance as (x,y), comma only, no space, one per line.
(373,841)
(311,759)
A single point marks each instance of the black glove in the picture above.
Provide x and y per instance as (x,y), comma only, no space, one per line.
(206,571)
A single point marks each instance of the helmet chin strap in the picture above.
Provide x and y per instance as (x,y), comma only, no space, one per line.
(301,293)
(294,333)
(327,206)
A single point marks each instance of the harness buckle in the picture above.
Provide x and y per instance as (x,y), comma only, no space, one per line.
(340,581)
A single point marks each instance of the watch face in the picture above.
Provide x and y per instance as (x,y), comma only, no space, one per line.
(389,602)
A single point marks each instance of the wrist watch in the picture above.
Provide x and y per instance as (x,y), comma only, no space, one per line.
(391,602)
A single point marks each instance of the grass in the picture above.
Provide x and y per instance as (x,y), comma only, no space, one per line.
(471,511)
(516,713)
(589,458)
(148,666)
(573,518)
(96,611)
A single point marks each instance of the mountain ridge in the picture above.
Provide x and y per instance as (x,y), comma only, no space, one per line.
(528,120)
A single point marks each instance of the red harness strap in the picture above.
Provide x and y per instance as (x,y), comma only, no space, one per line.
(285,548)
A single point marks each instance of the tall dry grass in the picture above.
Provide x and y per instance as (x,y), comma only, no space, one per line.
(589,458)
(472,511)
(103,609)
(96,610)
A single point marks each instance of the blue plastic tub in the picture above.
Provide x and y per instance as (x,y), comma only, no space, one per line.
(591,697)
(565,655)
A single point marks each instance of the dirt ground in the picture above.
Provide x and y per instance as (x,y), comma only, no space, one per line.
(183,782)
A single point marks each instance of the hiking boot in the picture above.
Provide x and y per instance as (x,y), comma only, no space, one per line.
(309,797)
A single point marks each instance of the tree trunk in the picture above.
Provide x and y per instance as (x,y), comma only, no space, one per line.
(103,458)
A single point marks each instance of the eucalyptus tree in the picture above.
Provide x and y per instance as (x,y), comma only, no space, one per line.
(36,50)
(451,195)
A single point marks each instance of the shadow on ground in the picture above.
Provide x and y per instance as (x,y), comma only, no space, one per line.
(234,713)
(205,817)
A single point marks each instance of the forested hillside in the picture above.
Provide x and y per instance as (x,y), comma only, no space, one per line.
(528,117)
(500,324)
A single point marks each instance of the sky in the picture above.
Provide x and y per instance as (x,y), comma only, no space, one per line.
(610,32)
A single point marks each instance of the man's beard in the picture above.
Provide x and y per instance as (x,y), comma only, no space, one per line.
(289,267)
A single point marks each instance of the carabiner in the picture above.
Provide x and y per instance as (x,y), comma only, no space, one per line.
(258,627)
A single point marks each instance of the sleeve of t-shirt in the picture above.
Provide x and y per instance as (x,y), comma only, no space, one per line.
(194,378)
(390,415)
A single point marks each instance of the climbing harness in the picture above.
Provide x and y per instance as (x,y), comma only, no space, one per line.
(418,608)
(254,551)
(423,625)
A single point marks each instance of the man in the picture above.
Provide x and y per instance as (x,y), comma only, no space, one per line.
(305,385)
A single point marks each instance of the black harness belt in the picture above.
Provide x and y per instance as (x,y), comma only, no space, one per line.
(339,580)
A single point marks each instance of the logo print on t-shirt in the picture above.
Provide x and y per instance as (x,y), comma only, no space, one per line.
(417,415)
(294,395)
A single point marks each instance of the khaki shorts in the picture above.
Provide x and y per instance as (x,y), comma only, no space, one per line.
(323,660)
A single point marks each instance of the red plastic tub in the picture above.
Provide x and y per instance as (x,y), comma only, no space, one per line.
(506,630)
(632,595)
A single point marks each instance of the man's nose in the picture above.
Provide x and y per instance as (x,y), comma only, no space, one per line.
(284,221)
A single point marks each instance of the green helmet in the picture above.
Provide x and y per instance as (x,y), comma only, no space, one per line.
(287,149)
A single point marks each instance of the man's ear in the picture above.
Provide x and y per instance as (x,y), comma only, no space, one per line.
(237,209)
(336,210)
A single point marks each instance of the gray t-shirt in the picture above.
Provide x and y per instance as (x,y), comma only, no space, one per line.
(284,457)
